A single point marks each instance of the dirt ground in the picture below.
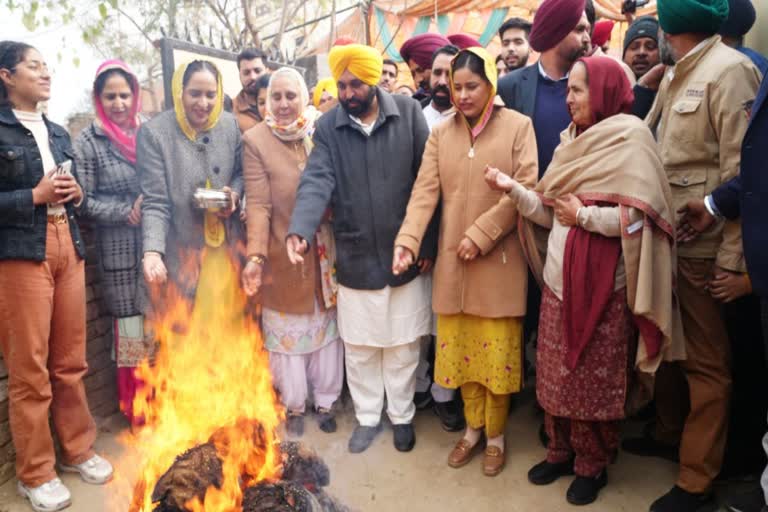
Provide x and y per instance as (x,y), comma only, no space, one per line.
(384,480)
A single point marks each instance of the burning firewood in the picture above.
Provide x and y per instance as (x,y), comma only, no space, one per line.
(303,474)
(279,497)
(188,478)
(303,466)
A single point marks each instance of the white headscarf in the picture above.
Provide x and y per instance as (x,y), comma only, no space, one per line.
(304,124)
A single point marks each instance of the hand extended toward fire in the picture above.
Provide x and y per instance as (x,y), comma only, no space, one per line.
(402,260)
(296,247)
(252,278)
(154,268)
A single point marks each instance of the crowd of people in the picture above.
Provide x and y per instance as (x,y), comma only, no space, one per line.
(605,211)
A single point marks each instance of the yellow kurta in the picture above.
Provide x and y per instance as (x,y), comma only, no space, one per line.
(486,351)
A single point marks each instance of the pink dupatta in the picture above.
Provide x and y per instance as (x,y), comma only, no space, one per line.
(124,142)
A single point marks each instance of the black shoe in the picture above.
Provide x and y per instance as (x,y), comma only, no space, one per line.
(362,438)
(422,399)
(451,418)
(680,500)
(404,437)
(326,420)
(544,473)
(751,501)
(294,425)
(584,489)
(647,446)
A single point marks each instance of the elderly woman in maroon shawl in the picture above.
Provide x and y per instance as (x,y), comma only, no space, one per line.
(605,209)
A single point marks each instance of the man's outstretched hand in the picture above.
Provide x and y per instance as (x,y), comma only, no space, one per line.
(296,247)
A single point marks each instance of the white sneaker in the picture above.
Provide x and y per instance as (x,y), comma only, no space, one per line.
(49,497)
(95,470)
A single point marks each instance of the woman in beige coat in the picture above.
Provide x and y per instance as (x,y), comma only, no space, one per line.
(299,312)
(480,275)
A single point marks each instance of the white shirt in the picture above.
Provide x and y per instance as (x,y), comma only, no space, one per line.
(545,75)
(33,121)
(367,128)
(435,117)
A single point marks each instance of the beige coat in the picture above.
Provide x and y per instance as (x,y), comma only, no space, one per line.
(700,118)
(271,170)
(494,285)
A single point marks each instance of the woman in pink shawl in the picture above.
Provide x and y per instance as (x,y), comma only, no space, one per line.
(603,214)
(105,154)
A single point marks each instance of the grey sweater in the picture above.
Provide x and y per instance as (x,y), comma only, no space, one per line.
(170,168)
(367,182)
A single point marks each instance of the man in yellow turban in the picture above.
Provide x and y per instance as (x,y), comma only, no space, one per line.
(362,61)
(324,94)
(367,153)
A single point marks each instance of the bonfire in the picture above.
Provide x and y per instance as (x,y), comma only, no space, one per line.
(210,442)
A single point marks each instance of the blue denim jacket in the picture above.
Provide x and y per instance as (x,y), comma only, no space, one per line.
(23,225)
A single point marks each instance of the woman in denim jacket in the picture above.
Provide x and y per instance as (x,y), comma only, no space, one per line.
(42,287)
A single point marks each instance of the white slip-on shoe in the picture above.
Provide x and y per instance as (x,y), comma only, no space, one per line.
(95,470)
(49,497)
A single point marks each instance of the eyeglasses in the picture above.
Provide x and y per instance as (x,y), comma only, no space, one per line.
(34,66)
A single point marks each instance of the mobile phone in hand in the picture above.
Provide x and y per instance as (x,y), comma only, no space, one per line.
(64,168)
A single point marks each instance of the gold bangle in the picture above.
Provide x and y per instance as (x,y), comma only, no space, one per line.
(258,259)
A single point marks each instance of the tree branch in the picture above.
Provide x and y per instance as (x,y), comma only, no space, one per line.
(135,24)
(250,23)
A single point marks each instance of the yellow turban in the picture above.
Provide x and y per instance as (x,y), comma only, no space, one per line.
(325,85)
(362,61)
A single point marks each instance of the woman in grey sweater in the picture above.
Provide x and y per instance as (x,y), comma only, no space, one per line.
(195,145)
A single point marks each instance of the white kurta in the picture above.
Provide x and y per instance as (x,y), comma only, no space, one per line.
(387,317)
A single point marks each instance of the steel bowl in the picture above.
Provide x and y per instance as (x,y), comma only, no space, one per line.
(211,198)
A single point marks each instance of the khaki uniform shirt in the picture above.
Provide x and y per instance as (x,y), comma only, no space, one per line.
(699,118)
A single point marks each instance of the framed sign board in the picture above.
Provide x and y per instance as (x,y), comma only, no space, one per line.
(174,52)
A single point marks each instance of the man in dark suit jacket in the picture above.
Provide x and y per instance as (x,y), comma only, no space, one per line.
(560,32)
(744,196)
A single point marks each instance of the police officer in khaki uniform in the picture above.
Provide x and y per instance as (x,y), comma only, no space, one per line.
(699,118)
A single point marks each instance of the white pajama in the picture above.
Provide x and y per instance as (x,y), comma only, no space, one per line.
(372,371)
(321,371)
(381,331)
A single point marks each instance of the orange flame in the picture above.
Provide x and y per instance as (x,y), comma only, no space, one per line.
(210,376)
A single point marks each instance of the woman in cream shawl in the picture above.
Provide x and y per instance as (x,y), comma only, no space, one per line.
(607,271)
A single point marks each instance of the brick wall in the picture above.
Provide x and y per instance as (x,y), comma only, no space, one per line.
(100,382)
